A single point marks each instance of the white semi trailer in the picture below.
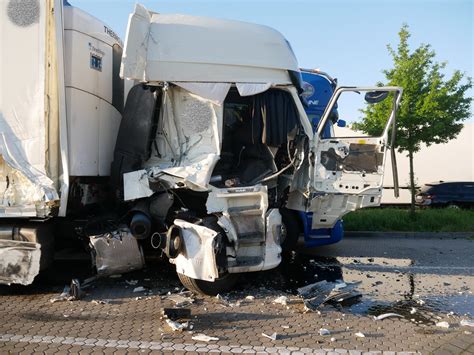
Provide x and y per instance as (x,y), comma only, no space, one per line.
(207,160)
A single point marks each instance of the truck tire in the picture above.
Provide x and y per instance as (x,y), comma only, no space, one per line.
(291,229)
(221,285)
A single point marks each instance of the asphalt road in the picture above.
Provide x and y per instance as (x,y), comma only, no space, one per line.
(450,253)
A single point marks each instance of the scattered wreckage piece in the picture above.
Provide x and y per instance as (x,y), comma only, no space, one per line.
(139,289)
(467,323)
(324,331)
(204,337)
(359,335)
(102,301)
(177,326)
(274,336)
(442,324)
(315,294)
(387,315)
(324,292)
(281,300)
(180,300)
(177,313)
(75,291)
(64,296)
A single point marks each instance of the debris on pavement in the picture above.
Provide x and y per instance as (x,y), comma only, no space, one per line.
(250,298)
(177,326)
(467,323)
(387,315)
(413,310)
(75,290)
(315,294)
(139,289)
(281,300)
(64,296)
(104,301)
(360,335)
(177,313)
(323,291)
(180,300)
(324,331)
(131,282)
(339,285)
(204,337)
(442,324)
(273,336)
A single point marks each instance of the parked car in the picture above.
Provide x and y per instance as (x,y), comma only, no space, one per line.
(446,194)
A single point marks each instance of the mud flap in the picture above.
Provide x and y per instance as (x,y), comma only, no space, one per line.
(19,262)
(198,260)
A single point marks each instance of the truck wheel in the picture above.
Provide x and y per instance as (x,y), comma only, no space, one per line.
(221,285)
(290,229)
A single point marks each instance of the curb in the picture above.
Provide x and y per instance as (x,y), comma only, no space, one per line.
(453,235)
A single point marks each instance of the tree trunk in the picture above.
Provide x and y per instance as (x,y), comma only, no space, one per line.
(412,184)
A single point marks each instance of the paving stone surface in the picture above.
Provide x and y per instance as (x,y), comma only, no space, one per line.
(30,322)
(132,322)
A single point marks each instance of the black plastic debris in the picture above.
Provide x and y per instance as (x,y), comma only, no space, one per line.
(315,294)
(177,313)
(334,293)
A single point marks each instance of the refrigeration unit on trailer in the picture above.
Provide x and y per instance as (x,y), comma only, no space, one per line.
(212,144)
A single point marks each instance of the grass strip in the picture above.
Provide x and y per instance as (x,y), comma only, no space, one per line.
(399,220)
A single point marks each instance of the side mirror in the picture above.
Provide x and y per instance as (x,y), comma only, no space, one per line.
(373,97)
(341,123)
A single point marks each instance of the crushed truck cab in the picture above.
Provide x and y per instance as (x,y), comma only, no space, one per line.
(212,149)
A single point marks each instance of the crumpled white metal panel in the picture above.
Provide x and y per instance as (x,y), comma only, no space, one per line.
(198,259)
(162,47)
(188,140)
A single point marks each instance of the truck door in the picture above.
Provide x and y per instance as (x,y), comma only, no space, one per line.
(347,169)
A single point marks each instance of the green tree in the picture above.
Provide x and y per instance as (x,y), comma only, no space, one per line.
(433,107)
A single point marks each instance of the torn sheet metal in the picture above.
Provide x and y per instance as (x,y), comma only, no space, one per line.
(19,262)
(171,48)
(136,185)
(116,252)
(198,259)
(323,291)
(188,140)
(329,208)
(22,105)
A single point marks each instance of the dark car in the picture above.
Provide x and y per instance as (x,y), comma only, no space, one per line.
(446,194)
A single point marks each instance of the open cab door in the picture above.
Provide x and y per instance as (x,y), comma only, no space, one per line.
(347,169)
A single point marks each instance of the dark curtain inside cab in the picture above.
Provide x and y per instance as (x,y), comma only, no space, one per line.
(274,115)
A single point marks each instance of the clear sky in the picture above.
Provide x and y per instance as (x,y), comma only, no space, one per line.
(342,37)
